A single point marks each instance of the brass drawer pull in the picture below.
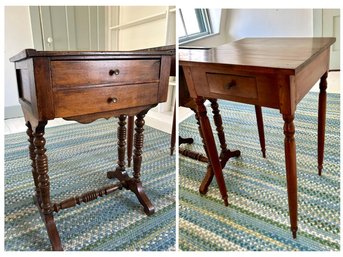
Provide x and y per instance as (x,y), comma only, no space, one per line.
(112,100)
(115,72)
(231,84)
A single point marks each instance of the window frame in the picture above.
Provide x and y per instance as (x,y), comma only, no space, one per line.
(204,23)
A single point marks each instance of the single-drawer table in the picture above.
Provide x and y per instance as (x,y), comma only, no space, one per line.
(269,72)
(85,86)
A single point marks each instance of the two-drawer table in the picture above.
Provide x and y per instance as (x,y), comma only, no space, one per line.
(85,86)
(269,72)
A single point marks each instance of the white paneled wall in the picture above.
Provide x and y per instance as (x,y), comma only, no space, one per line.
(139,27)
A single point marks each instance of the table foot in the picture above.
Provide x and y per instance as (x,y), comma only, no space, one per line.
(51,228)
(294,232)
(187,140)
(136,187)
(320,168)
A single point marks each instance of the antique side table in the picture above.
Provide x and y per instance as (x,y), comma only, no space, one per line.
(269,72)
(85,86)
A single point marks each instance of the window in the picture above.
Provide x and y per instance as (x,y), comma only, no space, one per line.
(193,23)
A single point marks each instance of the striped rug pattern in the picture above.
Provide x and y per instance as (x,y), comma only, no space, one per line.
(79,157)
(257,216)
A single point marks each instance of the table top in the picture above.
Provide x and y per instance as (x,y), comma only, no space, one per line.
(30,53)
(290,54)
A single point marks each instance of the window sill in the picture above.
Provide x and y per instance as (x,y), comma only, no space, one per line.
(198,38)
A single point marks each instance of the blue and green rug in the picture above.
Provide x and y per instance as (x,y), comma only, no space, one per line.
(79,157)
(257,217)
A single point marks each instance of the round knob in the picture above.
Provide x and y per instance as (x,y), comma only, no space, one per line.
(115,72)
(112,100)
(231,84)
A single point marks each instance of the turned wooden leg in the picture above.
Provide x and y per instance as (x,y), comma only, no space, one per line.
(259,118)
(219,124)
(32,155)
(137,161)
(321,121)
(225,153)
(291,171)
(130,124)
(134,184)
(121,135)
(211,148)
(45,206)
(173,136)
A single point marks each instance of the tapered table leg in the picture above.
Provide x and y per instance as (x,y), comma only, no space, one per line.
(225,153)
(211,148)
(130,124)
(44,203)
(291,171)
(321,121)
(260,126)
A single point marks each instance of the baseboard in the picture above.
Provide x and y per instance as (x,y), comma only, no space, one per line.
(13,112)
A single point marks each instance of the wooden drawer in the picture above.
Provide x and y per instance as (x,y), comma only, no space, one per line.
(96,72)
(232,85)
(79,101)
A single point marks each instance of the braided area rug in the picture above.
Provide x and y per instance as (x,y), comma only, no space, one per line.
(79,157)
(257,216)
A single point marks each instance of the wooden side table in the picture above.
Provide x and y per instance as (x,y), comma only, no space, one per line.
(269,72)
(186,101)
(85,86)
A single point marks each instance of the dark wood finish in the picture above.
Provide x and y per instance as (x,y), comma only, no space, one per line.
(225,153)
(162,94)
(68,74)
(291,170)
(187,140)
(186,101)
(211,148)
(274,72)
(138,143)
(260,126)
(81,101)
(32,155)
(86,197)
(134,184)
(136,187)
(130,124)
(219,124)
(85,86)
(194,155)
(43,202)
(42,167)
(321,121)
(121,135)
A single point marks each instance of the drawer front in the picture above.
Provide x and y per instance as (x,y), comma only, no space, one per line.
(80,101)
(232,85)
(84,73)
